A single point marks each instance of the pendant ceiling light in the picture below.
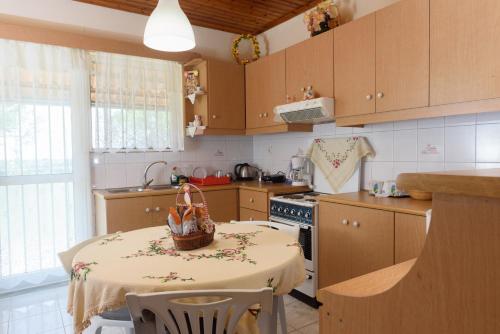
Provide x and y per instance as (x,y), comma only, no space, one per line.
(168,28)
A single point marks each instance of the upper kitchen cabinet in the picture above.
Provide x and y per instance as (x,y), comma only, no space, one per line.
(402,56)
(354,67)
(222,106)
(310,63)
(266,89)
(465,51)
(381,61)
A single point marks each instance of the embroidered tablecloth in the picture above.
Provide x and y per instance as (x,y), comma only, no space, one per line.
(241,257)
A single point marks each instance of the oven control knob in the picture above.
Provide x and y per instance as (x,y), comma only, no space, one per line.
(293,212)
(300,213)
(280,209)
(287,210)
(307,215)
(273,207)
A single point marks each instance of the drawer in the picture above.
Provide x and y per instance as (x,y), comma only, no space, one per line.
(252,215)
(254,200)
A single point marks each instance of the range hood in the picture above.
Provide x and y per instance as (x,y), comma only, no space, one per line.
(315,111)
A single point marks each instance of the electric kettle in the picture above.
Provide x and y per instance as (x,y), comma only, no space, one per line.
(245,172)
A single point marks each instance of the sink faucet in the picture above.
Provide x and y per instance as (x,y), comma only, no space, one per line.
(146,182)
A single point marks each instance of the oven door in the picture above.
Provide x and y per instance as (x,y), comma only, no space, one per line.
(303,233)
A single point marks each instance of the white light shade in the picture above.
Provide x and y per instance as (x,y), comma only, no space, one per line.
(168,28)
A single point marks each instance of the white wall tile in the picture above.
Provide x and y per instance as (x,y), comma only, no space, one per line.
(135,174)
(99,177)
(488,143)
(460,120)
(431,123)
(135,157)
(486,165)
(460,143)
(382,171)
(366,175)
(389,126)
(405,125)
(404,167)
(431,144)
(459,165)
(383,144)
(114,158)
(405,145)
(488,117)
(116,176)
(343,131)
(430,166)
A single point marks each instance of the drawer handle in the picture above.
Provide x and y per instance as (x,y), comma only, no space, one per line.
(147,210)
(345,222)
(251,219)
(380,95)
(356,224)
(157,209)
(252,200)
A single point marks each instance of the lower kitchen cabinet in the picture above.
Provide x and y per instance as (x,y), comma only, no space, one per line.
(353,241)
(131,213)
(252,215)
(410,233)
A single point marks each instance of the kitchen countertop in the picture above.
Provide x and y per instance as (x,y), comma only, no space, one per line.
(363,199)
(273,188)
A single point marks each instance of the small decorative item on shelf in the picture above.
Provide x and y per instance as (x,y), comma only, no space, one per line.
(308,93)
(190,222)
(191,81)
(322,18)
(255,47)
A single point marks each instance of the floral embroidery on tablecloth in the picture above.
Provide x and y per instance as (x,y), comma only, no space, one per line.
(80,270)
(337,159)
(114,237)
(243,238)
(270,284)
(173,276)
(228,254)
(156,247)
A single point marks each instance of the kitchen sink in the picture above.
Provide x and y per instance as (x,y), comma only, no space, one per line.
(140,189)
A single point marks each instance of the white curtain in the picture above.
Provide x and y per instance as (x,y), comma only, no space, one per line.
(45,196)
(137,103)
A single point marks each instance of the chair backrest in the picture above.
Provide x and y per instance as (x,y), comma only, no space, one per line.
(198,312)
(67,256)
(292,229)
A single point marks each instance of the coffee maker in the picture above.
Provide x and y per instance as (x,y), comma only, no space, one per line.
(300,171)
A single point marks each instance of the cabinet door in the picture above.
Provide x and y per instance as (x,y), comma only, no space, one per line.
(160,206)
(222,204)
(310,63)
(334,244)
(354,67)
(226,95)
(265,89)
(252,215)
(372,237)
(127,214)
(402,56)
(465,50)
(409,237)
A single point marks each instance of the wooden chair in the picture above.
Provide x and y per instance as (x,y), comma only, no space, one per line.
(452,288)
(118,318)
(177,313)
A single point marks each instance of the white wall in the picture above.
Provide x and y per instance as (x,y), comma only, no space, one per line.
(462,142)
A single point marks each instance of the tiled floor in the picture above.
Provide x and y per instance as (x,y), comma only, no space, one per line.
(44,312)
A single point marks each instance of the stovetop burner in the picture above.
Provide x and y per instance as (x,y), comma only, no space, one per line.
(294,196)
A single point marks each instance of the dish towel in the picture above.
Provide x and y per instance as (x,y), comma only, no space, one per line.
(337,158)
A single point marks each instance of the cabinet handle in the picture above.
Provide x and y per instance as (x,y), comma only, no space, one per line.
(251,219)
(380,95)
(252,200)
(345,222)
(157,209)
(260,115)
(356,224)
(147,210)
(214,116)
(369,97)
(265,114)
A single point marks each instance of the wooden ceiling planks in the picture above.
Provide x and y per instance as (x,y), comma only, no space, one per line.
(235,16)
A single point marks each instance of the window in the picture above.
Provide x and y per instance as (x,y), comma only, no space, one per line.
(44,169)
(137,103)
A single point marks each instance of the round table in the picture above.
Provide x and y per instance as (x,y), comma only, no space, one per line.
(242,256)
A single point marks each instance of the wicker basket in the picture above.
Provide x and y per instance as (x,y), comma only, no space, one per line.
(198,239)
